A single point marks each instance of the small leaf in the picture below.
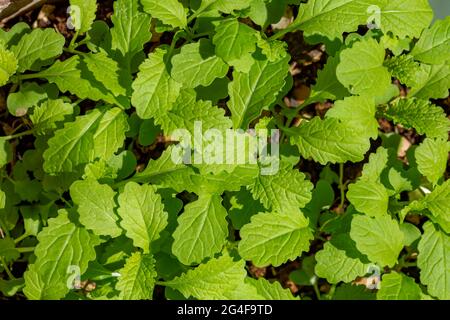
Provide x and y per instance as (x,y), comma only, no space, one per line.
(82,14)
(170,12)
(397,286)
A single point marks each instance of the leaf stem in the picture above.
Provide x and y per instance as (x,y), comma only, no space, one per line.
(341,185)
(26,249)
(19,135)
(73,44)
(25,235)
(8,272)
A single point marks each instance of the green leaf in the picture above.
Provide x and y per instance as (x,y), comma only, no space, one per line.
(83,14)
(187,111)
(282,192)
(435,84)
(137,277)
(327,85)
(165,173)
(131,28)
(434,44)
(377,162)
(225,6)
(358,113)
(202,230)
(379,238)
(29,95)
(369,197)
(155,91)
(72,145)
(348,291)
(331,18)
(8,250)
(62,246)
(255,91)
(11,287)
(274,238)
(197,64)
(405,18)
(110,133)
(271,290)
(421,115)
(431,157)
(142,213)
(214,280)
(5,152)
(411,233)
(336,265)
(36,48)
(97,63)
(397,286)
(96,207)
(405,69)
(72,76)
(434,261)
(439,206)
(170,12)
(8,65)
(46,116)
(330,140)
(361,68)
(233,40)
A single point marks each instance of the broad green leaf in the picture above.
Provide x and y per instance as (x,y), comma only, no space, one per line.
(434,44)
(225,6)
(155,91)
(37,47)
(327,85)
(369,197)
(13,35)
(336,265)
(233,40)
(255,91)
(331,18)
(187,111)
(96,207)
(349,291)
(361,68)
(72,145)
(137,277)
(439,205)
(242,208)
(165,173)
(29,95)
(405,18)
(46,116)
(202,230)
(377,162)
(71,76)
(97,63)
(274,238)
(213,280)
(63,249)
(434,261)
(380,238)
(8,251)
(131,28)
(142,213)
(271,290)
(197,65)
(10,287)
(411,233)
(110,133)
(288,189)
(397,286)
(82,14)
(431,157)
(330,140)
(435,84)
(8,65)
(170,12)
(358,113)
(405,69)
(421,115)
